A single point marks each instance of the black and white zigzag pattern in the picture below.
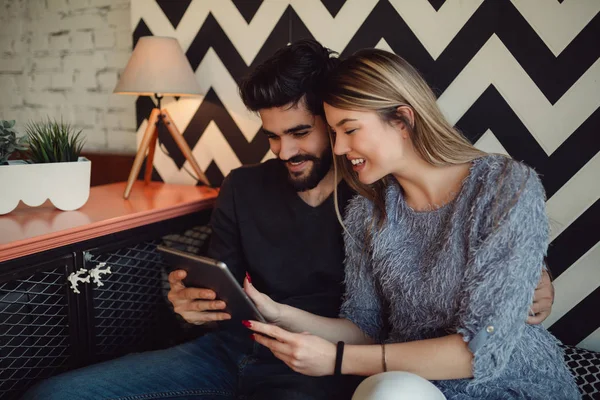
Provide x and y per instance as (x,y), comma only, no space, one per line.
(516,76)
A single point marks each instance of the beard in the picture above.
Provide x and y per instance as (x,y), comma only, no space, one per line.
(309,179)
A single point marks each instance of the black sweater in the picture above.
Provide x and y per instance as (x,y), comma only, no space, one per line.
(292,251)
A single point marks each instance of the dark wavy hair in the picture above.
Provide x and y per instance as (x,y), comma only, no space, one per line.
(294,73)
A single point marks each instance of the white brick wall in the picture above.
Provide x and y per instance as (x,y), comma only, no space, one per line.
(62,59)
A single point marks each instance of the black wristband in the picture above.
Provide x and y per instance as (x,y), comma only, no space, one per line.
(339,355)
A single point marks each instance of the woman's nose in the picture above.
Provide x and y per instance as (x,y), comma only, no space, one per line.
(340,145)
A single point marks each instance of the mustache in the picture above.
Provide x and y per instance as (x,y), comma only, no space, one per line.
(300,158)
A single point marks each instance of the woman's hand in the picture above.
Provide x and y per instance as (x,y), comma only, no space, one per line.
(268,308)
(302,352)
(543,299)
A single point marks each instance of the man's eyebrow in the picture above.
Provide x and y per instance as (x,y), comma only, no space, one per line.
(294,129)
(301,127)
(267,132)
(342,122)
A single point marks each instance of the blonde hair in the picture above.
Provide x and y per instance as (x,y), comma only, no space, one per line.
(380,81)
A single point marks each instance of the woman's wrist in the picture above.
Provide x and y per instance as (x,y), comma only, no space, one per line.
(283,316)
(347,364)
(363,360)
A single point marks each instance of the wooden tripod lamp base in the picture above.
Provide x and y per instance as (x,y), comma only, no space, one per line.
(148,146)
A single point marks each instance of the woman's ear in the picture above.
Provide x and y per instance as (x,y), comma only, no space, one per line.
(408,115)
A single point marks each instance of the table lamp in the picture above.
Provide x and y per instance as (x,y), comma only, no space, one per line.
(158,67)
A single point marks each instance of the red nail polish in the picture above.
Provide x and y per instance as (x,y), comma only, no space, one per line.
(248,277)
(247,324)
(252,337)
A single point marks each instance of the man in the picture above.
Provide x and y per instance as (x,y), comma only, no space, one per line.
(275,222)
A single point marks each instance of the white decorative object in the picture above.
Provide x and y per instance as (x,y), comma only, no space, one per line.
(96,272)
(77,277)
(66,184)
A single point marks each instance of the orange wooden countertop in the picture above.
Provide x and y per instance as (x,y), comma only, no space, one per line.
(29,230)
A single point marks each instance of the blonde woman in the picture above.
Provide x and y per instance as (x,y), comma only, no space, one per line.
(443,248)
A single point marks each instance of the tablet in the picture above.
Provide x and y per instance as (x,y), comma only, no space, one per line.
(204,272)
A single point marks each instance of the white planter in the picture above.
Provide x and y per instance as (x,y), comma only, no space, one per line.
(66,184)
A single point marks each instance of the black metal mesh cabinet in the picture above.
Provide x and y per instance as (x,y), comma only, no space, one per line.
(46,327)
(37,339)
(130,307)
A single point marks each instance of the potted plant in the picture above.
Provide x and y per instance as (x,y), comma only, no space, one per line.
(9,142)
(54,169)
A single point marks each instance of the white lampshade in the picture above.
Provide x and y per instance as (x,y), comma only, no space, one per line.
(158,65)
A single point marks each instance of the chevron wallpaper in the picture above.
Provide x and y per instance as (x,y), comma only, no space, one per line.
(516,76)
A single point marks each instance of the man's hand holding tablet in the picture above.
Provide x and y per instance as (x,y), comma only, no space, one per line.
(204,290)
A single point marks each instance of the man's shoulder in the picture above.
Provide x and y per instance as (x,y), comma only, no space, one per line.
(256,178)
(250,184)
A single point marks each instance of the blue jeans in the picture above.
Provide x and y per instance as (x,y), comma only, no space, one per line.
(219,365)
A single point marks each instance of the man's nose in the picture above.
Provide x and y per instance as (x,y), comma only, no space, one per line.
(288,148)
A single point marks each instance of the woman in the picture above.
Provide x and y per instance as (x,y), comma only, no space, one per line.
(443,251)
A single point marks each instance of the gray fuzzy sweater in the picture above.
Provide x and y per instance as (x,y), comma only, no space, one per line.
(468,267)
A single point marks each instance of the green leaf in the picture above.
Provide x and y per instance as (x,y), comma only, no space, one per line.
(53,141)
(9,141)
(9,124)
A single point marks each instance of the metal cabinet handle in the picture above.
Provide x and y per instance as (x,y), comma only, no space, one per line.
(95,273)
(77,277)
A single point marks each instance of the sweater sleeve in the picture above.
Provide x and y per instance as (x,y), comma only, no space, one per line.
(361,303)
(503,269)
